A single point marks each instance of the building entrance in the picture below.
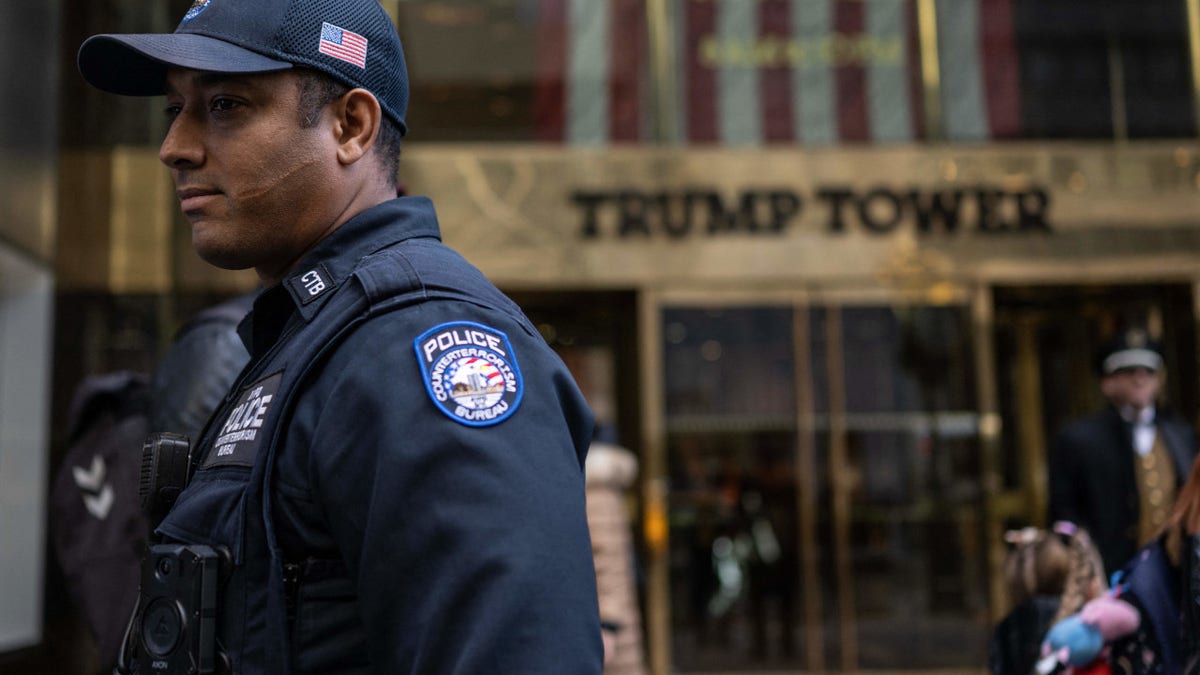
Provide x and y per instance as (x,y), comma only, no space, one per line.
(837,470)
(825,498)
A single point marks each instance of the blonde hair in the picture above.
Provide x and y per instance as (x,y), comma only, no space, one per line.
(1085,579)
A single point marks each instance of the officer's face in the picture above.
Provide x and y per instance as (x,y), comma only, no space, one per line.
(254,184)
(1136,387)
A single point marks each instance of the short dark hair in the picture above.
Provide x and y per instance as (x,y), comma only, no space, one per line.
(318,90)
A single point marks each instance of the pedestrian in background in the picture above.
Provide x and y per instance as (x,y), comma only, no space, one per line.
(611,471)
(1049,573)
(1165,578)
(201,364)
(1117,472)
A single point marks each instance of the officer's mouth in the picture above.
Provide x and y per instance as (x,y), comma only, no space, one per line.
(195,200)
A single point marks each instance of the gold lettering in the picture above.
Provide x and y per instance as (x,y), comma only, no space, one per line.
(709,52)
(838,49)
(769,53)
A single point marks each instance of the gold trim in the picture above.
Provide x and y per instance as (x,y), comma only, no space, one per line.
(931,77)
(996,503)
(1193,23)
(806,482)
(990,425)
(662,42)
(856,294)
(653,480)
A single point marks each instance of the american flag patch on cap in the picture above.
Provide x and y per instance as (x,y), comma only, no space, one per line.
(343,45)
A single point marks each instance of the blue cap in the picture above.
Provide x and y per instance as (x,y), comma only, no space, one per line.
(354,41)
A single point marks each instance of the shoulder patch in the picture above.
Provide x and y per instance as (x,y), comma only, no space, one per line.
(470,372)
(312,284)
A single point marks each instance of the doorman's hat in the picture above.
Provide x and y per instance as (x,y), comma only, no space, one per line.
(1132,348)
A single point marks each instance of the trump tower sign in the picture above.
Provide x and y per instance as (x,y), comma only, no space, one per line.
(631,217)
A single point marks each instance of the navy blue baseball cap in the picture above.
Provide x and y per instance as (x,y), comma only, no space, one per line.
(353,41)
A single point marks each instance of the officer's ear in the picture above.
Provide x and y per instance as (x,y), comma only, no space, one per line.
(357,117)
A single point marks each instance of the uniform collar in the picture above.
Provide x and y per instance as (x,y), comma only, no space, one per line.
(330,264)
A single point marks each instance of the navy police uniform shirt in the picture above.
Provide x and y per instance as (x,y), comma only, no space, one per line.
(398,472)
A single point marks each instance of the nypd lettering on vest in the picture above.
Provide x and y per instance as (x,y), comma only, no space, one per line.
(470,372)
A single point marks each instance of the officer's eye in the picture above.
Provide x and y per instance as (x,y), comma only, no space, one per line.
(172,111)
(222,104)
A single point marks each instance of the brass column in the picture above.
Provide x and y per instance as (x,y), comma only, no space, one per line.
(983,325)
(653,483)
(931,78)
(662,69)
(1193,28)
(655,498)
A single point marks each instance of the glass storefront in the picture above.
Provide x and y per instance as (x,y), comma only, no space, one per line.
(826,506)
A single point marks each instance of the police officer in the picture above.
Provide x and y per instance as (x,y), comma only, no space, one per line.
(395,480)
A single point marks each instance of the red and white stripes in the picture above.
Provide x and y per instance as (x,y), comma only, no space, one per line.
(757,72)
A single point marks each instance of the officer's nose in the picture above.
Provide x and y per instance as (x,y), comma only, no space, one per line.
(182,147)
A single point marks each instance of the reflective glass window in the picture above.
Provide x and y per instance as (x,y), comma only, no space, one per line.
(556,71)
(826,501)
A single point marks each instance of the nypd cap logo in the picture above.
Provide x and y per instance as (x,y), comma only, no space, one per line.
(470,372)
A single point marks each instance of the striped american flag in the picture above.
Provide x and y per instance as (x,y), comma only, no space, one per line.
(591,72)
(343,45)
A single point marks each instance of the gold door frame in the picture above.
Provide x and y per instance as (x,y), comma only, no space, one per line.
(983,325)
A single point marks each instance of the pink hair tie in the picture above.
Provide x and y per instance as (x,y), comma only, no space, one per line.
(1065,527)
